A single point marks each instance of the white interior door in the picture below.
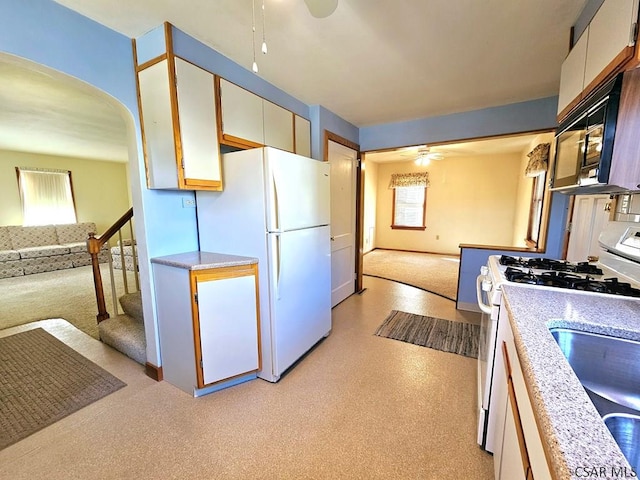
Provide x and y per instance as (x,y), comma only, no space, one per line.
(590,214)
(343,221)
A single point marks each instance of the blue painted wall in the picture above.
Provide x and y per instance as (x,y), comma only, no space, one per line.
(514,118)
(45,32)
(471,259)
(321,120)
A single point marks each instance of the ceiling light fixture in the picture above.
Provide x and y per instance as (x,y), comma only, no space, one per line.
(254,67)
(422,159)
(321,8)
(425,156)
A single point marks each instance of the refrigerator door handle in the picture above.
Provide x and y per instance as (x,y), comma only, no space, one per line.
(277,256)
(276,209)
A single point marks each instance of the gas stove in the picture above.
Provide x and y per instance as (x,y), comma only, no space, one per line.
(582,276)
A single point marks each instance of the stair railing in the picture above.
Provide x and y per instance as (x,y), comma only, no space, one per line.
(94,247)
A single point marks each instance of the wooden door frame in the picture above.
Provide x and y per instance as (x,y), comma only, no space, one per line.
(330,136)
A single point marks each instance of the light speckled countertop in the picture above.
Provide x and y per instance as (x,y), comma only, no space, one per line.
(203,260)
(574,434)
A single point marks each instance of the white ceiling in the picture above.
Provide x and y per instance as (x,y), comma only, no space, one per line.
(42,111)
(513,144)
(370,62)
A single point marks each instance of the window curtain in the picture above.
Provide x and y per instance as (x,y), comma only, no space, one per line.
(419,179)
(46,196)
(538,160)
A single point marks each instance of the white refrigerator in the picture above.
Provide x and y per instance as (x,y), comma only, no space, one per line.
(276,207)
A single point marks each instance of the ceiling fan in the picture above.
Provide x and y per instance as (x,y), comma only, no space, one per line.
(425,155)
(321,8)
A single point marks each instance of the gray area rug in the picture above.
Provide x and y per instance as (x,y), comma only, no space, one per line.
(447,336)
(437,274)
(42,380)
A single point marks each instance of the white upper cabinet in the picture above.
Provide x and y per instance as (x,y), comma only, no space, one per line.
(198,127)
(178,111)
(249,121)
(302,129)
(278,126)
(241,114)
(602,50)
(572,73)
(610,32)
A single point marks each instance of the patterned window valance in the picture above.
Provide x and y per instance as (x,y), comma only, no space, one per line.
(419,179)
(538,160)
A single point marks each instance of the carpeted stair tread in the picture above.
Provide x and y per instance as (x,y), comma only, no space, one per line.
(132,305)
(125,334)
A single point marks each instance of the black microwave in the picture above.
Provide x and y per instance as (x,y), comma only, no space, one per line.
(584,142)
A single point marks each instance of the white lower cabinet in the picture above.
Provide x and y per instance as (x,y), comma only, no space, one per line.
(208,325)
(518,452)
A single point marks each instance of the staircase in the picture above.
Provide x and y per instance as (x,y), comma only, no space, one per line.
(125,332)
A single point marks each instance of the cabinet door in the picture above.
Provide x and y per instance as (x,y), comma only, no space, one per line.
(241,115)
(303,136)
(511,466)
(228,327)
(610,32)
(572,73)
(198,130)
(278,126)
(157,126)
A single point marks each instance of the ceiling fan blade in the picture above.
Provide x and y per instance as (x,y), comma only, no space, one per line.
(321,8)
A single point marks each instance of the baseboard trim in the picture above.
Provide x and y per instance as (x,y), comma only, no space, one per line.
(416,251)
(153,372)
(468,306)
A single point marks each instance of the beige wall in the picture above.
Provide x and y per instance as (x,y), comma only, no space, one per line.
(469,200)
(101,189)
(523,193)
(370,205)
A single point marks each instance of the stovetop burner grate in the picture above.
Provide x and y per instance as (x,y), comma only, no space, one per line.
(550,264)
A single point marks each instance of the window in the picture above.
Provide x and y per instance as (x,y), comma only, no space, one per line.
(409,200)
(409,207)
(47,196)
(535,210)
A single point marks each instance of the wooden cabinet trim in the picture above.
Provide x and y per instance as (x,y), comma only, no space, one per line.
(232,141)
(522,444)
(215,274)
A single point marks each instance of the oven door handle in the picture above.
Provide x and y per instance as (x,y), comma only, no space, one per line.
(483,306)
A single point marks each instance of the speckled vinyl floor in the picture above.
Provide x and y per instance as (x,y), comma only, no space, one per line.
(357,406)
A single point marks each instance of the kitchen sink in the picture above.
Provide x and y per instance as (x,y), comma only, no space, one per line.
(607,367)
(609,370)
(626,431)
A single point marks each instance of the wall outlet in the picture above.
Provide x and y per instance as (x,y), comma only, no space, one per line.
(188,202)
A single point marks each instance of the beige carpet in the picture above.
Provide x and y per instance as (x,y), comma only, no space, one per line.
(431,272)
(67,294)
(43,380)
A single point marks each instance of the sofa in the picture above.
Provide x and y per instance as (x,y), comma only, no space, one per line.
(37,249)
(128,251)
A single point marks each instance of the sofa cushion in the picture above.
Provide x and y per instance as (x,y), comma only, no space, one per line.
(46,251)
(48,264)
(5,239)
(127,250)
(26,237)
(6,255)
(78,247)
(10,271)
(74,232)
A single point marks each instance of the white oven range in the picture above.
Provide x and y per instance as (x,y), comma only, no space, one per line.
(616,273)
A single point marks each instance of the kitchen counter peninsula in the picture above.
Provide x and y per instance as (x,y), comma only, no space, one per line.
(208,319)
(576,441)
